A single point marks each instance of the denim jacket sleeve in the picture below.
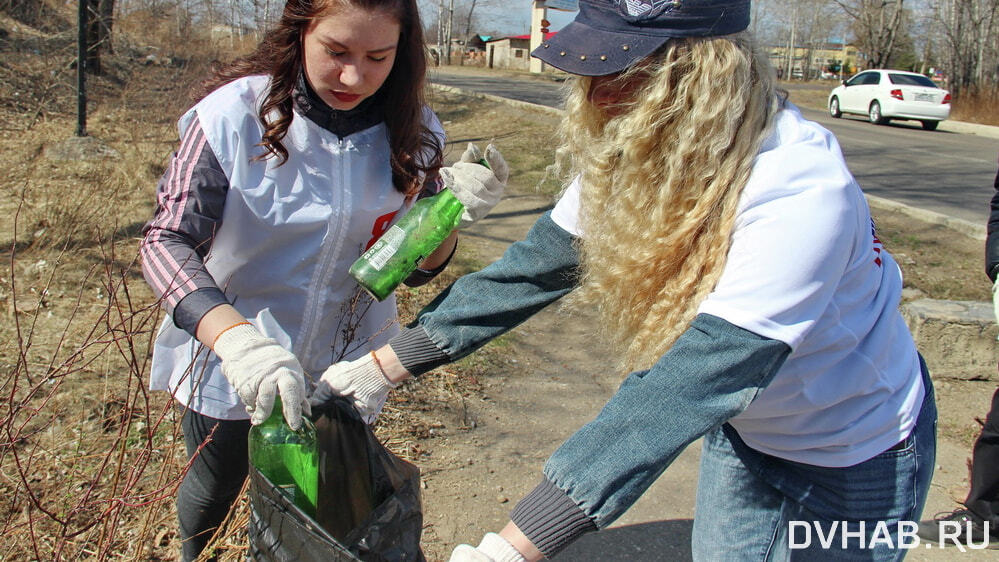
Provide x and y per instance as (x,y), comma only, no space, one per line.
(712,372)
(482,305)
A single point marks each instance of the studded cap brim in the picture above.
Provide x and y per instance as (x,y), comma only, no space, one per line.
(588,51)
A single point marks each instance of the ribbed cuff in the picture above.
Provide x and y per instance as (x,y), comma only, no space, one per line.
(416,351)
(423,276)
(193,307)
(367,376)
(550,518)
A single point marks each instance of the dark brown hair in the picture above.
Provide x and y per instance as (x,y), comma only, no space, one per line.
(279,55)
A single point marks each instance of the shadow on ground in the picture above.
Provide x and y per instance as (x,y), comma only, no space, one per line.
(643,542)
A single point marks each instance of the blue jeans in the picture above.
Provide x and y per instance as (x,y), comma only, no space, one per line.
(752,506)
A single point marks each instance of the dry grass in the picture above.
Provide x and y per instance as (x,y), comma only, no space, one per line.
(977,107)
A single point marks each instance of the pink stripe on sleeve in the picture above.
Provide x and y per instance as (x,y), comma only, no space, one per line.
(183,187)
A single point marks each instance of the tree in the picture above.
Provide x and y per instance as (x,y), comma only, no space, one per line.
(969,30)
(876,25)
(799,28)
(34,13)
(100,22)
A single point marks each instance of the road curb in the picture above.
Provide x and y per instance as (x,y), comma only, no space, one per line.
(968,228)
(515,103)
(967,128)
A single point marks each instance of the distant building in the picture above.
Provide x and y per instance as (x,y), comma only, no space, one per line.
(438,53)
(827,60)
(511,52)
(477,42)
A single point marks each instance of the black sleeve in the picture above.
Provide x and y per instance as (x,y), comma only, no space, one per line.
(992,239)
(190,199)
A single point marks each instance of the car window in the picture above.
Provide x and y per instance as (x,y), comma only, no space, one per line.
(858,79)
(872,78)
(911,80)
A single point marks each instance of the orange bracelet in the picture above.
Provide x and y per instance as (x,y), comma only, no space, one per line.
(218,335)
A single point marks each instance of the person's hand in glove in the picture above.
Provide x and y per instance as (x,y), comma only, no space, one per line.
(362,381)
(479,188)
(259,368)
(493,548)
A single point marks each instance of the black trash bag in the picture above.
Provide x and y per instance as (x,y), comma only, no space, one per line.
(280,532)
(368,507)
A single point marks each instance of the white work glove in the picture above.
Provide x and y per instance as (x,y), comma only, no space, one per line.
(477,187)
(258,368)
(493,548)
(360,380)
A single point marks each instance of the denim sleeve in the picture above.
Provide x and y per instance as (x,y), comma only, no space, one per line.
(482,305)
(712,372)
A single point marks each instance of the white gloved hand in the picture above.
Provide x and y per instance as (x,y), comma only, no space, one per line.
(493,548)
(361,380)
(259,368)
(477,187)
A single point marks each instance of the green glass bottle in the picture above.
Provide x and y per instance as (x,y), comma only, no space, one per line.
(288,458)
(415,236)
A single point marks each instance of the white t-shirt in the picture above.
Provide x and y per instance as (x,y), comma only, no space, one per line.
(806,268)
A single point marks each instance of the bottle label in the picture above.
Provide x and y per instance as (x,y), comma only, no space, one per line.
(386,247)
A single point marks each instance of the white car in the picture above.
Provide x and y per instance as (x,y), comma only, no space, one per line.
(883,95)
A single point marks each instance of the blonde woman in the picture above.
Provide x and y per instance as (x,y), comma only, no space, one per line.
(733,259)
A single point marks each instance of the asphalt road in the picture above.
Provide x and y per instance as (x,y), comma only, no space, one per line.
(941,171)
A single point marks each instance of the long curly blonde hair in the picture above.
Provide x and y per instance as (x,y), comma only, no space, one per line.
(661,184)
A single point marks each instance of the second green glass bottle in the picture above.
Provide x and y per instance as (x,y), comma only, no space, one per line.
(394,256)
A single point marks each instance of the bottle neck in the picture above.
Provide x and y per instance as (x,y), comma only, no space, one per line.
(449,206)
(277,414)
(445,195)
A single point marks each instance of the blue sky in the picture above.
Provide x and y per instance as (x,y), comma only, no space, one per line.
(519,20)
(504,19)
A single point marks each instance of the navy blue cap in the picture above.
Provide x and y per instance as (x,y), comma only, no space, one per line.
(607,36)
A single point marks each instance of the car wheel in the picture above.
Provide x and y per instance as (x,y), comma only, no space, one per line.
(930,125)
(874,114)
(834,108)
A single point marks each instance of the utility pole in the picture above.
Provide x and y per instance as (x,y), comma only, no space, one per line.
(450,20)
(81,71)
(791,47)
(232,17)
(539,13)
(440,31)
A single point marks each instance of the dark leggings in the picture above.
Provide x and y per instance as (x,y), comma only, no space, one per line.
(983,499)
(214,480)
